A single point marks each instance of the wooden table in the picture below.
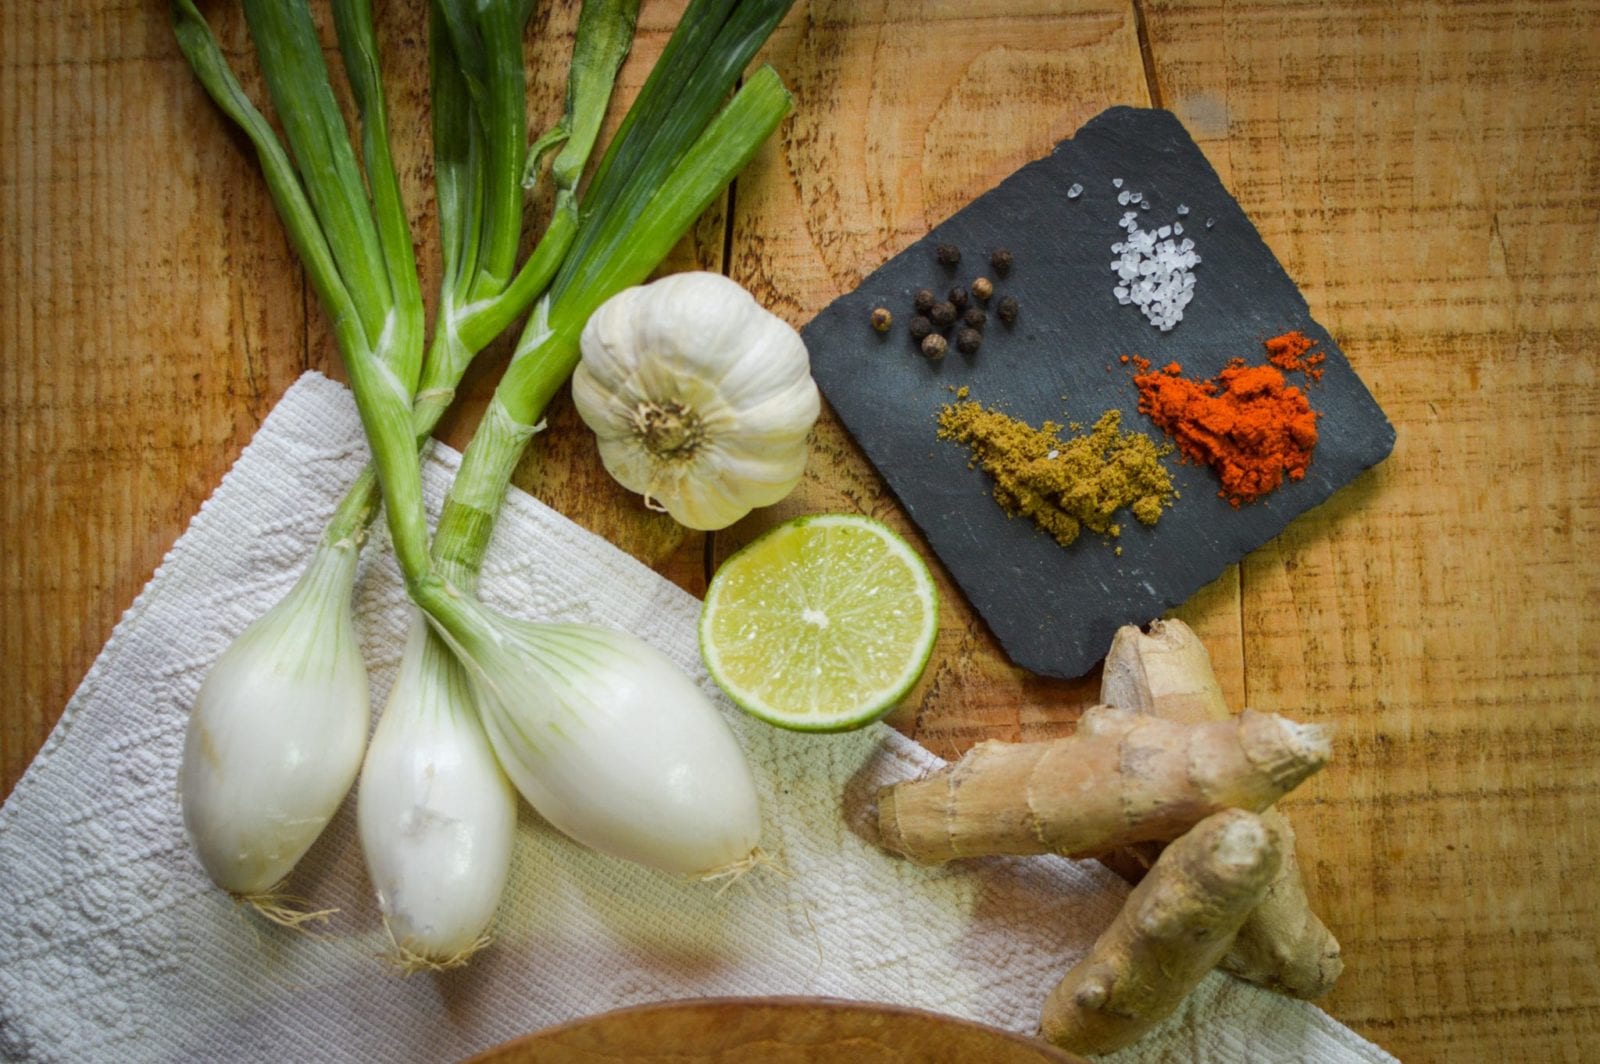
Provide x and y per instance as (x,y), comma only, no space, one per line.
(1430,174)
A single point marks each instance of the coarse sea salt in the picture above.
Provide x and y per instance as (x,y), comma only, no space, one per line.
(1155,272)
(1075,191)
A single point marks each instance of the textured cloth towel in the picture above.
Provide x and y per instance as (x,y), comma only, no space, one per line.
(115,947)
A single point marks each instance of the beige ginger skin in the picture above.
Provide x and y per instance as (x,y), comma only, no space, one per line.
(1174,927)
(1283,945)
(1123,777)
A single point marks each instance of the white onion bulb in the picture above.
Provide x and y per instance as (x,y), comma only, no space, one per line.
(438,818)
(614,745)
(275,737)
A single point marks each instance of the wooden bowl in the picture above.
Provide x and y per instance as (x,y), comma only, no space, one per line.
(772,1030)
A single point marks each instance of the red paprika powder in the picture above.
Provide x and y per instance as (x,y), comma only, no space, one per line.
(1247,423)
(1291,352)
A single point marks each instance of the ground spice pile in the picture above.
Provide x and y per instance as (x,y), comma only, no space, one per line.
(1064,486)
(1291,353)
(1248,423)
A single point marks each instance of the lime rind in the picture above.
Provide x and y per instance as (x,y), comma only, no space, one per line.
(734,596)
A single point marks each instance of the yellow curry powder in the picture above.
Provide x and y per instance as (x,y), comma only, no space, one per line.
(1064,486)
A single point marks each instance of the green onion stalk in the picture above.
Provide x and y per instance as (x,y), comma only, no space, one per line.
(677,148)
(435,814)
(278,727)
(598,731)
(482,165)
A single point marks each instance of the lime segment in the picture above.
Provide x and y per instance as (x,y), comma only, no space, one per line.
(822,624)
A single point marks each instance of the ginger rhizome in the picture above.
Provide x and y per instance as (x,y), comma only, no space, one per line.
(1174,927)
(1283,945)
(1123,777)
(1161,760)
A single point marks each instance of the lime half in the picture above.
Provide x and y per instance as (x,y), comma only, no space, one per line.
(822,624)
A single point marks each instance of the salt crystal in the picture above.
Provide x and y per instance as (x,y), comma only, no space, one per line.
(1210,222)
(1145,205)
(1136,197)
(1154,272)
(1053,454)
(1116,182)
(1183,208)
(1075,191)
(1122,197)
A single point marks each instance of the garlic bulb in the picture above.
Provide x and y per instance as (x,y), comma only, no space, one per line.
(700,398)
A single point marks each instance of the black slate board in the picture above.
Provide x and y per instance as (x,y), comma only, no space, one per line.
(1054,609)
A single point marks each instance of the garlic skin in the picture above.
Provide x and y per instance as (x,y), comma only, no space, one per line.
(437,816)
(277,731)
(701,400)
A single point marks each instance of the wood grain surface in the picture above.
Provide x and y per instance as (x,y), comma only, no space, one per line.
(1429,174)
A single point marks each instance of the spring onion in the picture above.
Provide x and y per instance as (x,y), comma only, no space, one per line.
(436,816)
(277,731)
(435,810)
(276,734)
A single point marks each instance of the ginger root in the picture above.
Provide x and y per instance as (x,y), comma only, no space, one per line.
(1173,929)
(1124,777)
(1167,674)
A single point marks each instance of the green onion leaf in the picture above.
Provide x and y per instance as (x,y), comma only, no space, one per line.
(358,45)
(623,254)
(290,56)
(672,110)
(605,34)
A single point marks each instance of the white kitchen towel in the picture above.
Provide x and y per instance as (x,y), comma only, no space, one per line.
(115,947)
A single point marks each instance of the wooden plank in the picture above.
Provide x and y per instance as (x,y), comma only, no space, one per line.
(151,314)
(904,113)
(1428,173)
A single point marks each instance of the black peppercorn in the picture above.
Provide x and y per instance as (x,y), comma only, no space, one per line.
(943,314)
(923,300)
(882,319)
(975,318)
(1007,309)
(958,297)
(934,347)
(982,289)
(968,341)
(1001,261)
(920,328)
(949,254)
